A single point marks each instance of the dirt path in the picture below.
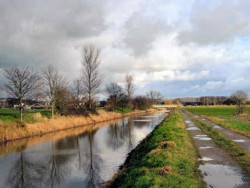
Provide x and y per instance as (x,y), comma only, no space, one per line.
(217,166)
(241,140)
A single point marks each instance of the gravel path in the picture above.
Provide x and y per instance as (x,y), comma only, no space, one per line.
(217,166)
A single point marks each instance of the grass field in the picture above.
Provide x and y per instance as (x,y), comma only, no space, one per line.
(168,146)
(11,115)
(225,116)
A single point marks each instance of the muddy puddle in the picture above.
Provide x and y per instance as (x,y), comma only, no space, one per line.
(192,129)
(230,178)
(202,138)
(205,159)
(205,147)
(218,168)
(239,141)
(142,120)
(150,116)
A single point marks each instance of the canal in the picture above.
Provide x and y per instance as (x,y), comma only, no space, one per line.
(87,159)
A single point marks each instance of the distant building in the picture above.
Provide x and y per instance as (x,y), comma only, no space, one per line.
(4,103)
(189,101)
(27,104)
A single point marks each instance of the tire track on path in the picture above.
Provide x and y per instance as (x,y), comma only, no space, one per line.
(217,166)
(241,140)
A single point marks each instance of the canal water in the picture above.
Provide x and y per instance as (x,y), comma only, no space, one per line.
(86,160)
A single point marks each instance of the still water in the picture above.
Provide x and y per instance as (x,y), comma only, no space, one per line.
(87,159)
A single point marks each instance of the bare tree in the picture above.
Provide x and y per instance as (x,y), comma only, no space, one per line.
(129,87)
(90,75)
(240,99)
(54,82)
(22,83)
(155,96)
(77,90)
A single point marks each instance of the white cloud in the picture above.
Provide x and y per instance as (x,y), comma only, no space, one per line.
(212,85)
(190,46)
(217,22)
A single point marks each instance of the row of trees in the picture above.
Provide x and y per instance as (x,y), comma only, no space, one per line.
(238,98)
(25,83)
(213,100)
(119,97)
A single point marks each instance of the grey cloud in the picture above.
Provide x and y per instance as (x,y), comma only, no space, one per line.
(41,32)
(37,33)
(217,22)
(141,31)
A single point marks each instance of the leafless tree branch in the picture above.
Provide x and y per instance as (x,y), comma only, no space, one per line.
(90,75)
(54,83)
(22,83)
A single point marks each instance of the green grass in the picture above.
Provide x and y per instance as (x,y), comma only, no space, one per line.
(237,152)
(11,115)
(218,111)
(168,145)
(123,110)
(225,117)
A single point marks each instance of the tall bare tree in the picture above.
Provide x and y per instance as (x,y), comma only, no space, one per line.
(129,87)
(90,75)
(77,90)
(54,82)
(22,83)
(240,99)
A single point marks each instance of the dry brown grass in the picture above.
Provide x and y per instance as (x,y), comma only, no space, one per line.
(215,119)
(166,170)
(11,131)
(165,144)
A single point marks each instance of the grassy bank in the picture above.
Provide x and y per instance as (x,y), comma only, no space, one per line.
(225,117)
(10,130)
(238,153)
(166,158)
(12,115)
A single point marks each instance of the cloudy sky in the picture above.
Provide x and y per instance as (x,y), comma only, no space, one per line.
(178,47)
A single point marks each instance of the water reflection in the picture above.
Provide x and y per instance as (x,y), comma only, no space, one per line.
(25,173)
(55,166)
(115,140)
(85,160)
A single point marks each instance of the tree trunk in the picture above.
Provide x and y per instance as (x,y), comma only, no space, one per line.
(21,110)
(52,109)
(90,106)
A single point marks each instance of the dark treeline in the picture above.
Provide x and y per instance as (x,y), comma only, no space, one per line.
(215,100)
(211,100)
(238,98)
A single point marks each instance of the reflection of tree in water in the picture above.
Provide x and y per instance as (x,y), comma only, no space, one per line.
(129,128)
(141,124)
(56,167)
(91,162)
(25,173)
(50,172)
(118,134)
